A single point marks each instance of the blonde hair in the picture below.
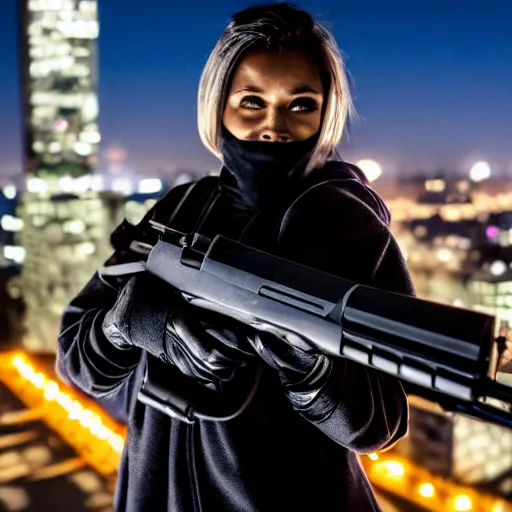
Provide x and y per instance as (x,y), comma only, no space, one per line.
(275,27)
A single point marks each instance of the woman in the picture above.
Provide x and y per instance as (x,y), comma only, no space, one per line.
(273,101)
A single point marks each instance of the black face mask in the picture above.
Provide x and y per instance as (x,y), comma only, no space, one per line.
(258,173)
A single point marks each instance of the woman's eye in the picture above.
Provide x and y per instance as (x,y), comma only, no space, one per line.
(252,102)
(304,105)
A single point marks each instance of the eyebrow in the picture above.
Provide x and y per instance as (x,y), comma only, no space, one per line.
(300,89)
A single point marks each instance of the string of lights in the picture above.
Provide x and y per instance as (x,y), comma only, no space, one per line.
(100,440)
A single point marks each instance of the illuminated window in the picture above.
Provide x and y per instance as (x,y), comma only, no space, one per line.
(74,227)
(435,185)
(10,223)
(504,238)
(14,253)
(84,249)
(90,137)
(489,301)
(81,51)
(80,70)
(83,148)
(500,301)
(88,6)
(54,147)
(38,146)
(504,288)
(90,108)
(9,191)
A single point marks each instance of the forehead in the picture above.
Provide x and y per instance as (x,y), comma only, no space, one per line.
(267,69)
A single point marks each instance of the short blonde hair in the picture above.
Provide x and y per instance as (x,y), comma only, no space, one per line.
(275,27)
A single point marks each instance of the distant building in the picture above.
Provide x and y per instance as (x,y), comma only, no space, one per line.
(441,191)
(65,239)
(465,450)
(65,227)
(59,86)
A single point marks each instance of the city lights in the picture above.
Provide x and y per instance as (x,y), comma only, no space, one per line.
(444,255)
(123,186)
(9,191)
(84,249)
(74,227)
(98,439)
(15,253)
(150,186)
(432,492)
(443,221)
(97,182)
(66,184)
(394,468)
(480,171)
(83,148)
(492,231)
(426,490)
(37,186)
(55,147)
(435,185)
(371,169)
(498,268)
(75,185)
(10,223)
(82,184)
(92,137)
(61,125)
(462,503)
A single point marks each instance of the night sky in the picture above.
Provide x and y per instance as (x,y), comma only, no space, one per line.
(433,80)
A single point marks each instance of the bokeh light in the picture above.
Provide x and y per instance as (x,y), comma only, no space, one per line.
(372,170)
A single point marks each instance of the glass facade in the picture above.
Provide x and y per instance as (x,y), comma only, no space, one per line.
(66,240)
(59,59)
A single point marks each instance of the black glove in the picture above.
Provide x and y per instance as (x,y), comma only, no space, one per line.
(151,315)
(303,371)
(201,349)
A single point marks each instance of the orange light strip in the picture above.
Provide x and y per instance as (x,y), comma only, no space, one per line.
(78,420)
(100,440)
(415,484)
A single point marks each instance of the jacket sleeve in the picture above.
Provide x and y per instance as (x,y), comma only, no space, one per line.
(348,235)
(86,359)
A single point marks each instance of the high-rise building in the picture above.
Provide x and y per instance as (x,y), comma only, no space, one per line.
(65,224)
(59,86)
(66,238)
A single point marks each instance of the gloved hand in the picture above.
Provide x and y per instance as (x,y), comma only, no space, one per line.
(303,371)
(201,349)
(152,316)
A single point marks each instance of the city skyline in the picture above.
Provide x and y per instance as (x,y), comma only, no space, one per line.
(431,85)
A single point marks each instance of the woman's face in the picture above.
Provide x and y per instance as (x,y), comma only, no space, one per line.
(275,97)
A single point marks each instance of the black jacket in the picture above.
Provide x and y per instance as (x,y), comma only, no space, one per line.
(271,458)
